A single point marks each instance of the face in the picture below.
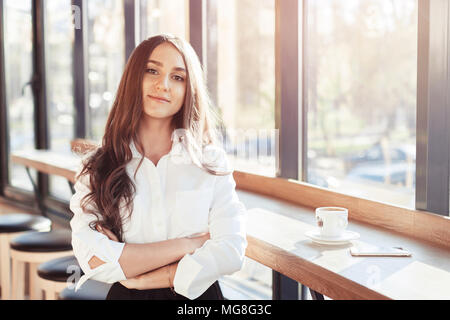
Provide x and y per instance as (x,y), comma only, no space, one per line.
(164,83)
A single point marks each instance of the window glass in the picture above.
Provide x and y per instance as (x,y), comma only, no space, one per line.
(240,69)
(162,16)
(241,79)
(59,33)
(106,56)
(360,80)
(18,72)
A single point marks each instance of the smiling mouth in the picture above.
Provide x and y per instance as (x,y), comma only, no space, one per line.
(159,99)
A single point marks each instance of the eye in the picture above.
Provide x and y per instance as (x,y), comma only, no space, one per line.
(151,71)
(178,78)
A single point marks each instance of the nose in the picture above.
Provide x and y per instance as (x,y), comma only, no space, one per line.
(163,84)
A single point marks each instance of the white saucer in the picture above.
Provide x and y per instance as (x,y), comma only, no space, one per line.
(347,236)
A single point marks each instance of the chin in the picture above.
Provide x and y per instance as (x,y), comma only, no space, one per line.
(156,114)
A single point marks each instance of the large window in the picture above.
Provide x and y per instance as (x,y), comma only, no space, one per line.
(106,56)
(162,16)
(240,65)
(18,73)
(59,34)
(241,78)
(361,77)
(357,94)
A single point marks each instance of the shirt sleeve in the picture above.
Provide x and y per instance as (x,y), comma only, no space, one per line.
(87,243)
(224,252)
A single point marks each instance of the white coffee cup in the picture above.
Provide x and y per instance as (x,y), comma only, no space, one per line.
(331,221)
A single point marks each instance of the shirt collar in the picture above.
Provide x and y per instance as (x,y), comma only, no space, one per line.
(213,155)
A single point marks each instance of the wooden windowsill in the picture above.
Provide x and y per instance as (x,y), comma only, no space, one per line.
(413,223)
(276,238)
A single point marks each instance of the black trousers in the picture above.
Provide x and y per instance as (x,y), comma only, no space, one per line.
(119,292)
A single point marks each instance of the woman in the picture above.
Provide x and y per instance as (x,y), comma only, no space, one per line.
(155,208)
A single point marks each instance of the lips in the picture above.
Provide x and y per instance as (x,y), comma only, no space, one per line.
(159,99)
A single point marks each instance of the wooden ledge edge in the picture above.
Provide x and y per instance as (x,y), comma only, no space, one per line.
(308,273)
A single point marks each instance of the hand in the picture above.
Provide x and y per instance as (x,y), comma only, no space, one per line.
(197,240)
(155,279)
(107,232)
(131,283)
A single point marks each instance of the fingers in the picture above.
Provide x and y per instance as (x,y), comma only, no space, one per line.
(198,235)
(132,283)
(100,229)
(107,233)
(111,235)
(126,284)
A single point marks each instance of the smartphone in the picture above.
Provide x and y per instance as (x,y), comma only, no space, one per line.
(379,252)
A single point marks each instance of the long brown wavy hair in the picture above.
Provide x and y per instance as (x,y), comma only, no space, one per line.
(112,190)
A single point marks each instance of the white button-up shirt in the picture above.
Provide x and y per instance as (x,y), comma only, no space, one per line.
(173,199)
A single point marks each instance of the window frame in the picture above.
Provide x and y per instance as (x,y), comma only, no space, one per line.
(288,117)
(80,72)
(196,29)
(4,141)
(433,101)
(131,28)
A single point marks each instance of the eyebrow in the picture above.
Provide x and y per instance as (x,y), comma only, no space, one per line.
(160,65)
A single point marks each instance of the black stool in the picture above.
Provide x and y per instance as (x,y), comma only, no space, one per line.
(12,225)
(35,248)
(90,290)
(54,275)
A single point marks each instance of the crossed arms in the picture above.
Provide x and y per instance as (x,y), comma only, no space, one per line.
(145,270)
